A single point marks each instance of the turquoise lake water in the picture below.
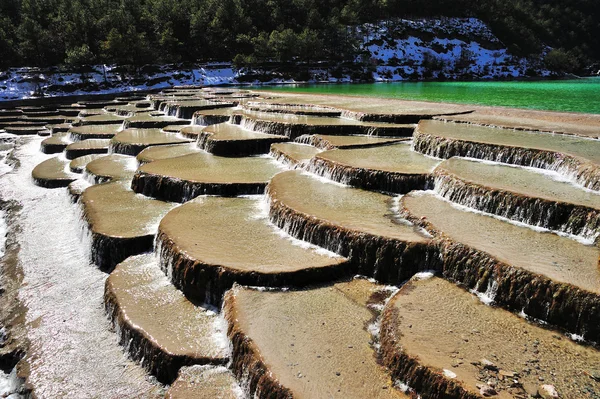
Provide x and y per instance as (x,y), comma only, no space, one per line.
(582,95)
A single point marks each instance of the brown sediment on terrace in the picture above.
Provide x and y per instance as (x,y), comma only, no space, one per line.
(87,147)
(212,117)
(47,119)
(295,109)
(443,342)
(11,112)
(183,178)
(226,139)
(294,126)
(40,112)
(24,123)
(579,124)
(131,109)
(9,119)
(354,223)
(293,154)
(307,344)
(78,165)
(133,141)
(204,382)
(159,102)
(147,121)
(155,153)
(55,144)
(157,324)
(549,277)
(86,112)
(26,130)
(186,109)
(191,132)
(173,128)
(52,173)
(211,243)
(392,168)
(59,128)
(569,155)
(371,108)
(102,119)
(328,142)
(100,103)
(524,195)
(121,222)
(111,168)
(80,133)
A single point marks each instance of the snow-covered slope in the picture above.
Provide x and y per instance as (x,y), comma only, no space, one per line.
(448,47)
(20,83)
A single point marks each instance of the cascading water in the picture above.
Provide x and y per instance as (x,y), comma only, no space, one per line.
(68,331)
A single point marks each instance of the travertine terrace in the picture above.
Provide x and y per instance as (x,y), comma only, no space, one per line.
(266,245)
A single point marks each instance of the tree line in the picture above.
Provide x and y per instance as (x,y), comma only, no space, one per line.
(138,32)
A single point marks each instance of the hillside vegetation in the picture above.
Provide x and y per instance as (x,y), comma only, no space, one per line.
(136,32)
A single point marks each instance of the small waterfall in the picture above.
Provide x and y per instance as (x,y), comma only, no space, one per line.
(270,127)
(558,216)
(207,120)
(63,293)
(515,289)
(388,260)
(247,363)
(176,190)
(377,180)
(578,170)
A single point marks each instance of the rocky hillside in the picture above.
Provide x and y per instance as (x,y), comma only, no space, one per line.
(452,48)
(448,48)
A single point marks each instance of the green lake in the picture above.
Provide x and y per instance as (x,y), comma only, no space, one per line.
(582,95)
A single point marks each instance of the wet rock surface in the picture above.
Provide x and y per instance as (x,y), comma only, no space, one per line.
(110,168)
(328,142)
(79,133)
(55,144)
(375,109)
(298,326)
(78,165)
(157,324)
(294,126)
(121,223)
(565,123)
(212,117)
(210,243)
(525,195)
(226,139)
(358,224)
(52,173)
(87,147)
(133,141)
(154,153)
(202,382)
(392,168)
(183,178)
(293,154)
(574,157)
(548,277)
(292,346)
(441,340)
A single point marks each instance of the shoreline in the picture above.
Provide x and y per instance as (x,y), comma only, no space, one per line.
(560,117)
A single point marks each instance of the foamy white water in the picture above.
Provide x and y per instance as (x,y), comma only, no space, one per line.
(73,352)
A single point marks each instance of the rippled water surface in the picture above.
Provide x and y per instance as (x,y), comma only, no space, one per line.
(73,352)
